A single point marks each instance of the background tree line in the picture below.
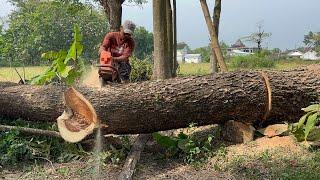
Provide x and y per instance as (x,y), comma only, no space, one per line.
(36,27)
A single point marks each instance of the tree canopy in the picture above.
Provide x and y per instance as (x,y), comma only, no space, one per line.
(144,43)
(37,27)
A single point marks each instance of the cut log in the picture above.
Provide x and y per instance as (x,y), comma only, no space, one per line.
(175,103)
(133,157)
(237,132)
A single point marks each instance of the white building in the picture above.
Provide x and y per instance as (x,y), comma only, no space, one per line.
(295,54)
(310,55)
(184,57)
(240,49)
(192,58)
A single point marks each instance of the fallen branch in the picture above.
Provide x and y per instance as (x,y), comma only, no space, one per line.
(31,131)
(133,157)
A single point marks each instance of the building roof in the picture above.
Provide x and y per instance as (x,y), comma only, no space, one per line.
(295,54)
(238,44)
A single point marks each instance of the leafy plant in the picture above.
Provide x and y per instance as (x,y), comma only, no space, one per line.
(141,69)
(16,147)
(306,128)
(192,150)
(59,69)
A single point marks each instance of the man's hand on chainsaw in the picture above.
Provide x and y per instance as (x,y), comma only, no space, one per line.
(114,59)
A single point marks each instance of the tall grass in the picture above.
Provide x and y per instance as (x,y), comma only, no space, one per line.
(260,60)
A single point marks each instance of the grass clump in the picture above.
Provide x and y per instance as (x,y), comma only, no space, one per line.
(254,61)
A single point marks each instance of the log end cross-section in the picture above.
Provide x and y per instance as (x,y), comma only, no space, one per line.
(79,117)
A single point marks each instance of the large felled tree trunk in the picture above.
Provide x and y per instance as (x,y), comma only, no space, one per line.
(175,103)
(113,10)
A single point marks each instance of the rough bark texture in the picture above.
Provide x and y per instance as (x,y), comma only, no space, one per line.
(175,62)
(113,10)
(213,34)
(216,22)
(170,36)
(162,69)
(175,103)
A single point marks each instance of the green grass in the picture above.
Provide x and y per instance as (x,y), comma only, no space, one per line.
(204,68)
(9,74)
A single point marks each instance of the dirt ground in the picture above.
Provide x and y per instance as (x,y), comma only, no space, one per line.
(260,155)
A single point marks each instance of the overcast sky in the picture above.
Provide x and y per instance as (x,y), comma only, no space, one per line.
(287,20)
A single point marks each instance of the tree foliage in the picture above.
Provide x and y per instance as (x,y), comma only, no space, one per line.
(204,51)
(38,26)
(60,60)
(312,39)
(143,43)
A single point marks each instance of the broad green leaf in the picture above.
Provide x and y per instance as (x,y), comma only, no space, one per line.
(51,55)
(60,66)
(312,108)
(182,136)
(314,135)
(185,144)
(76,48)
(303,120)
(164,141)
(72,76)
(299,134)
(311,122)
(42,79)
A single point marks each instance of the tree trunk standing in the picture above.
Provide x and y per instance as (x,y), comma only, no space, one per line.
(162,69)
(175,103)
(213,34)
(175,62)
(170,35)
(113,10)
(213,62)
(216,21)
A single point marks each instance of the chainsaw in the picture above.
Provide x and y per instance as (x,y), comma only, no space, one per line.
(107,69)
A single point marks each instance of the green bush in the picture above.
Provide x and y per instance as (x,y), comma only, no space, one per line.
(16,147)
(141,69)
(259,60)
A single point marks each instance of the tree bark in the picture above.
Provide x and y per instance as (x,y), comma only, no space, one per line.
(175,103)
(216,22)
(162,69)
(113,10)
(175,62)
(170,36)
(213,34)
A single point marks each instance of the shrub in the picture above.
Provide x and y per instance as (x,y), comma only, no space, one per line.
(141,69)
(259,60)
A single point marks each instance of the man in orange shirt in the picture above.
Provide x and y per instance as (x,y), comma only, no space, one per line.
(120,45)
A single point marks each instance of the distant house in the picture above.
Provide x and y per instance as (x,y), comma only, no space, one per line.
(193,58)
(295,54)
(184,57)
(310,55)
(240,49)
